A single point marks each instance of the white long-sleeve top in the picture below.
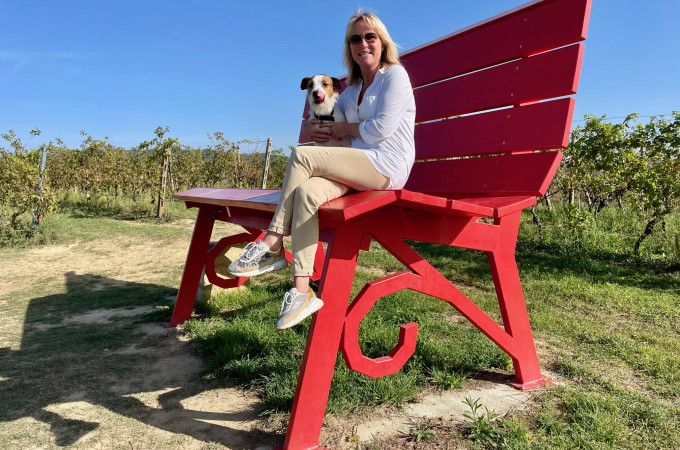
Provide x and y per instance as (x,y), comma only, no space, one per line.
(387,119)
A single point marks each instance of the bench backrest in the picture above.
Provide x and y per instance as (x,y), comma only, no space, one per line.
(491,98)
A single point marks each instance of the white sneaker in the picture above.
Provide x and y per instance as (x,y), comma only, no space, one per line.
(296,307)
(256,259)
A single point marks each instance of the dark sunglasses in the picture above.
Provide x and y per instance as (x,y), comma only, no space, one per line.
(368,37)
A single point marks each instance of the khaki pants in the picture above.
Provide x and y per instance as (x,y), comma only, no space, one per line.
(314,176)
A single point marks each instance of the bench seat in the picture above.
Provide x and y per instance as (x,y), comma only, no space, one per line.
(353,205)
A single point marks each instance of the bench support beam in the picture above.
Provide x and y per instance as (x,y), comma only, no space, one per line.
(323,342)
(513,306)
(193,268)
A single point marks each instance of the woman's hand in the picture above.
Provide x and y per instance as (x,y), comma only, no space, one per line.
(317,131)
(339,130)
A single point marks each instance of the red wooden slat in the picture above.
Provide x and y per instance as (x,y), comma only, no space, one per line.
(216,195)
(501,206)
(424,201)
(305,111)
(519,33)
(344,208)
(526,174)
(548,75)
(540,126)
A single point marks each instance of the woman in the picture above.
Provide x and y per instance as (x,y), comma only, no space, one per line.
(380,110)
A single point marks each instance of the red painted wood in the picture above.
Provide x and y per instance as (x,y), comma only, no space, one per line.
(215,195)
(513,61)
(435,284)
(512,305)
(419,200)
(193,268)
(352,205)
(246,217)
(362,304)
(303,138)
(548,75)
(218,249)
(501,206)
(261,199)
(456,230)
(522,32)
(323,342)
(507,175)
(319,259)
(541,126)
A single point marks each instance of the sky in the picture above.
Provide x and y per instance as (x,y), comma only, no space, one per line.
(120,69)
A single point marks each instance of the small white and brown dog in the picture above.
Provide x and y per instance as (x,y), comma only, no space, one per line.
(321,96)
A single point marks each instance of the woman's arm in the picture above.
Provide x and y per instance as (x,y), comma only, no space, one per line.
(394,101)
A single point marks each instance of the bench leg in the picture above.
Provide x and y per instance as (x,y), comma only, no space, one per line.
(513,306)
(193,268)
(323,342)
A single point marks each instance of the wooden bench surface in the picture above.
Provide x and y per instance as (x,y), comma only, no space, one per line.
(353,205)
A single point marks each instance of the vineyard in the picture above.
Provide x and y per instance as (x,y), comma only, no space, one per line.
(631,166)
(99,173)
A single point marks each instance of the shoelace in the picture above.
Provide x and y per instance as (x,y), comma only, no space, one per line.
(249,252)
(287,303)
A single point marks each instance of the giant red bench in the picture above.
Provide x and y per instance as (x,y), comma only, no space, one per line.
(492,106)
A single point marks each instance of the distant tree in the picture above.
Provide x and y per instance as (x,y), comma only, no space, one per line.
(655,173)
(598,160)
(19,179)
(162,149)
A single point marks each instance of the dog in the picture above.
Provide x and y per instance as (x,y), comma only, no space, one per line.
(321,96)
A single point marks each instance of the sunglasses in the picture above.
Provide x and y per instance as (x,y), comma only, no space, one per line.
(368,37)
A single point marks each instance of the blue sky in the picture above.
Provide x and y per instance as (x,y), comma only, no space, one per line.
(120,69)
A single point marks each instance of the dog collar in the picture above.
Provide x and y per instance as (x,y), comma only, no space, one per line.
(328,118)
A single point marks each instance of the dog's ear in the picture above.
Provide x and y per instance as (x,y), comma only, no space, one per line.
(305,83)
(336,83)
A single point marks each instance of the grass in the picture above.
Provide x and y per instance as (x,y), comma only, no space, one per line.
(607,325)
(244,348)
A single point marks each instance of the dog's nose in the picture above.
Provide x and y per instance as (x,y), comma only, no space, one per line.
(319,95)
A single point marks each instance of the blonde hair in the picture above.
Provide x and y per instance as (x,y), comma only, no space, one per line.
(389,56)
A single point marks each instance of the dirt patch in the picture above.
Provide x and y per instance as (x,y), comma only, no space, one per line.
(391,427)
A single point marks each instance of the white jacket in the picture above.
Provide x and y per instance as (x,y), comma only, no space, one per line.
(387,118)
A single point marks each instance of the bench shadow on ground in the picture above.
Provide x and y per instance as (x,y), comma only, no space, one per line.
(101,342)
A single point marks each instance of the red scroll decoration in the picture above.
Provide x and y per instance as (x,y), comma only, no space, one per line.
(386,365)
(218,249)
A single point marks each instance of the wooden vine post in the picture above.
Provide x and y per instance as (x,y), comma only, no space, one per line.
(163,184)
(265,170)
(35,219)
